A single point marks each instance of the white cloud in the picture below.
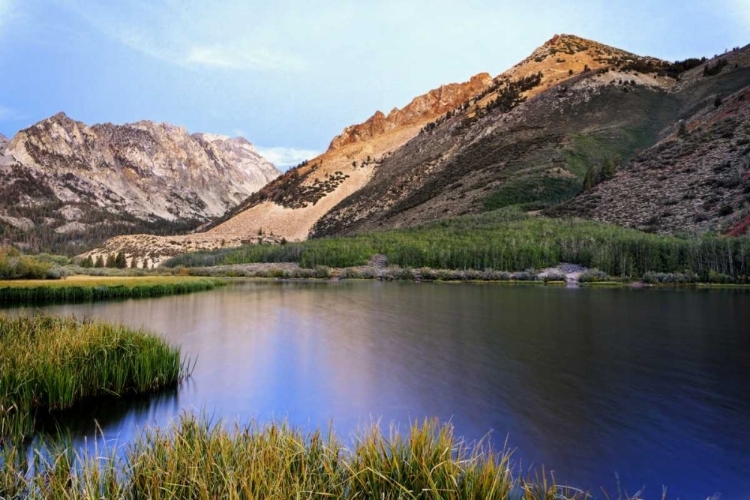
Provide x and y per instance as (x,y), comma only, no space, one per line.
(237,58)
(8,114)
(183,34)
(284,158)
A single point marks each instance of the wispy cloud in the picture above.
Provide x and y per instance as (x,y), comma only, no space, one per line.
(180,33)
(8,114)
(7,13)
(229,57)
(284,157)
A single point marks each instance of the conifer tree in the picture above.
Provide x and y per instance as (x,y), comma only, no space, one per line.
(120,261)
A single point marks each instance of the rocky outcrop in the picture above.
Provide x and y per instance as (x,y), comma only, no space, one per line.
(144,175)
(242,155)
(423,108)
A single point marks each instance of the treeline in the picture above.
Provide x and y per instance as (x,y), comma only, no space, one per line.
(113,261)
(98,226)
(506,240)
(509,95)
(714,70)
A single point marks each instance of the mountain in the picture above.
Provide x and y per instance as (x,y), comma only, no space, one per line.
(563,119)
(539,152)
(697,179)
(67,184)
(294,203)
(290,205)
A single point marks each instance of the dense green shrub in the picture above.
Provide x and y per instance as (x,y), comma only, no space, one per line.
(593,276)
(687,277)
(14,266)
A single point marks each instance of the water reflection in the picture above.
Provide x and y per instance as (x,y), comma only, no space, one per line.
(651,384)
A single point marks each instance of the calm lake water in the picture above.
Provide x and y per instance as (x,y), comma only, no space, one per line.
(651,386)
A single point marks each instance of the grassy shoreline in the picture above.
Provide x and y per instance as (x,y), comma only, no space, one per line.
(194,459)
(50,363)
(592,278)
(86,288)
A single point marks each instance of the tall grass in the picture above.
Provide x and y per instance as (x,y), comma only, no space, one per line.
(83,290)
(51,363)
(506,240)
(194,460)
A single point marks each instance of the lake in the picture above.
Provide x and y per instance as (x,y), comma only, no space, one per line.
(648,386)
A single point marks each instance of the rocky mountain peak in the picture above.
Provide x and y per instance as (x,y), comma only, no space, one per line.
(152,175)
(225,139)
(59,117)
(421,109)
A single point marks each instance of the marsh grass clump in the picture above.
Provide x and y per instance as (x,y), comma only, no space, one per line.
(87,290)
(50,363)
(194,459)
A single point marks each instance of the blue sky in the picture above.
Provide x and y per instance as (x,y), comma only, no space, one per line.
(289,75)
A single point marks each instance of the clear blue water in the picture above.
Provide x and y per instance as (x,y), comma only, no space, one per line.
(651,386)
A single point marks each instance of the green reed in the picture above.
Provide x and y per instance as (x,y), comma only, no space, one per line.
(87,290)
(50,363)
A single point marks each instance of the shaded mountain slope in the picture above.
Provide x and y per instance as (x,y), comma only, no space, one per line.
(695,180)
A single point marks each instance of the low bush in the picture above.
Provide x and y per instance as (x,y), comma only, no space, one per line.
(554,276)
(593,276)
(670,278)
(14,266)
